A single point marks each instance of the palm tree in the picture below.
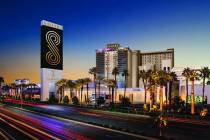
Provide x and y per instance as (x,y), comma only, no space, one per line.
(99,79)
(186,74)
(87,81)
(111,84)
(115,72)
(81,82)
(93,71)
(125,74)
(204,74)
(162,78)
(153,78)
(151,86)
(13,86)
(71,86)
(144,76)
(108,83)
(173,78)
(77,88)
(61,86)
(22,87)
(194,75)
(1,81)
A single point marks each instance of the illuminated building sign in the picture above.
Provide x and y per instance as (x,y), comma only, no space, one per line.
(51,45)
(198,99)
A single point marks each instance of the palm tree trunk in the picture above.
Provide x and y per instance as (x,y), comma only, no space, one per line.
(151,98)
(62,94)
(99,88)
(161,98)
(192,99)
(87,93)
(81,94)
(70,93)
(169,94)
(112,95)
(125,90)
(125,86)
(115,78)
(95,90)
(166,92)
(186,103)
(203,91)
(109,91)
(145,94)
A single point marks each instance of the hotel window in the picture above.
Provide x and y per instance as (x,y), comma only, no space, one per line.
(168,68)
(164,68)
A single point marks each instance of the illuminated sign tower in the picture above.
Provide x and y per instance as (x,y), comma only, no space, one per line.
(51,58)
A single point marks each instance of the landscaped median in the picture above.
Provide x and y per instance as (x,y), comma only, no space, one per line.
(135,124)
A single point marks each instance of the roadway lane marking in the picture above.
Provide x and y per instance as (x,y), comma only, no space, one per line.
(7,134)
(90,125)
(27,134)
(3,135)
(26,125)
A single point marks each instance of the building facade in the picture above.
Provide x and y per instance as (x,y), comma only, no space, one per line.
(114,55)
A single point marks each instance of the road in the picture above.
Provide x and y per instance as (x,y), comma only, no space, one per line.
(177,128)
(23,125)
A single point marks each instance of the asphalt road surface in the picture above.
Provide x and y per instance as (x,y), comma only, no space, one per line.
(23,125)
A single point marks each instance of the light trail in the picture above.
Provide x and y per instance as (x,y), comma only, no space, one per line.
(27,126)
(99,127)
(20,130)
(4,136)
(47,127)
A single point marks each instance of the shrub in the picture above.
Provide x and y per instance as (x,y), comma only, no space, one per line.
(53,100)
(100,100)
(75,100)
(66,100)
(36,100)
(204,112)
(125,102)
(177,104)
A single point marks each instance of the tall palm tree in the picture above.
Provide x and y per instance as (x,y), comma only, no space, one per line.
(162,78)
(81,82)
(173,78)
(93,71)
(71,86)
(22,87)
(144,76)
(204,74)
(77,88)
(99,79)
(186,74)
(125,74)
(13,86)
(1,81)
(61,86)
(151,87)
(87,81)
(115,72)
(194,75)
(111,83)
(108,83)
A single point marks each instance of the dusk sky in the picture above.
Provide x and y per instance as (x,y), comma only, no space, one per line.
(90,24)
